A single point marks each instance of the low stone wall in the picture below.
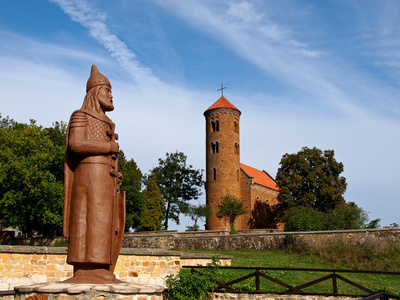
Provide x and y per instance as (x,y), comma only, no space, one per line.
(231,296)
(70,291)
(23,265)
(248,239)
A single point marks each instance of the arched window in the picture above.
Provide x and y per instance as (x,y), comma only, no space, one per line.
(215,125)
(215,147)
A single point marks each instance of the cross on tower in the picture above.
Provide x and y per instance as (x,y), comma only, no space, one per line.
(222,89)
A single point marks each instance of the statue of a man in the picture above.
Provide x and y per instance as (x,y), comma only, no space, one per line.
(94,210)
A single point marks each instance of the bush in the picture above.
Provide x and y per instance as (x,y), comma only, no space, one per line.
(192,286)
(344,216)
(303,219)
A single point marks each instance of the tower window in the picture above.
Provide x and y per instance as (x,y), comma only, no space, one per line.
(215,173)
(236,148)
(215,125)
(236,126)
(237,175)
(215,147)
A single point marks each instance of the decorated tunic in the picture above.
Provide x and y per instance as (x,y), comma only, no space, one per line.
(89,190)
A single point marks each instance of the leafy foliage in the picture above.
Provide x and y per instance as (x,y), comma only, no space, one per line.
(178,184)
(31,176)
(303,219)
(229,208)
(193,286)
(310,178)
(151,208)
(132,184)
(197,212)
(344,216)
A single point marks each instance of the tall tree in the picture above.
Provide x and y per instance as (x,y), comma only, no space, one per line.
(132,184)
(312,178)
(178,184)
(31,181)
(229,208)
(152,207)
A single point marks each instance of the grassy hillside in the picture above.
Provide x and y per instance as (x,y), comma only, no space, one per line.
(334,255)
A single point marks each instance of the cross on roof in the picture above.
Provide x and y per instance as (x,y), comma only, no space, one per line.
(222,89)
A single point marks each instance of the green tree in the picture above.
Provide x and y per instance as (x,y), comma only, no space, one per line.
(178,184)
(343,216)
(299,218)
(310,178)
(31,180)
(229,208)
(198,212)
(346,216)
(151,208)
(132,184)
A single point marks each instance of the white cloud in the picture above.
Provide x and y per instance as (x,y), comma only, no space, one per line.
(95,21)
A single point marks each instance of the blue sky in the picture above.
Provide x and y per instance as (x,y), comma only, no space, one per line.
(303,73)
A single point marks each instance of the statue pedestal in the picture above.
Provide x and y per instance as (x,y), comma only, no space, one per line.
(88,291)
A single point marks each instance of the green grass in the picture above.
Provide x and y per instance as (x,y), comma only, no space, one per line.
(333,256)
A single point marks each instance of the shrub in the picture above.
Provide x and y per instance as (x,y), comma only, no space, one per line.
(303,219)
(193,286)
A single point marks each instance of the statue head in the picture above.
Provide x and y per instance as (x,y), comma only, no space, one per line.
(98,96)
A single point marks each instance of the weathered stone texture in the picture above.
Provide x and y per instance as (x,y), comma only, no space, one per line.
(257,239)
(68,291)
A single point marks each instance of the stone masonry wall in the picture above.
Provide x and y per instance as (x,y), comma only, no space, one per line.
(255,239)
(23,265)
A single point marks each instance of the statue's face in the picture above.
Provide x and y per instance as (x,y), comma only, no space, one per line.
(105,98)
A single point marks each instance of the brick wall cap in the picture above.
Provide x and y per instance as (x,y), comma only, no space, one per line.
(63,250)
(112,288)
(189,255)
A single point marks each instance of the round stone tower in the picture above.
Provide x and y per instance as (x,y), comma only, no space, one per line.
(222,157)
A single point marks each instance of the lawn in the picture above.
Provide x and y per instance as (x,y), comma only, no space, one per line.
(322,259)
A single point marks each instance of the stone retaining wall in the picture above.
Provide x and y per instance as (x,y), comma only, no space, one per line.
(23,265)
(231,296)
(256,239)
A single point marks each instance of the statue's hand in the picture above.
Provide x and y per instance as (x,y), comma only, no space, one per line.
(114,147)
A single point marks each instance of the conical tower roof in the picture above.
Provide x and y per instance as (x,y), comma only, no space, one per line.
(222,103)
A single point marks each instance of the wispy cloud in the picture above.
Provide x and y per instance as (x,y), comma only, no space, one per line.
(95,21)
(266,44)
(283,50)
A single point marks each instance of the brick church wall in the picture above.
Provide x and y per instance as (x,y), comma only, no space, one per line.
(259,201)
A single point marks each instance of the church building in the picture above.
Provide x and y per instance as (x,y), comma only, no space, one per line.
(226,175)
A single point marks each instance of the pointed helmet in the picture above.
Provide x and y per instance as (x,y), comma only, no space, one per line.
(96,78)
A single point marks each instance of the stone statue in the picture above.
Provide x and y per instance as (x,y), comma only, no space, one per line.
(94,209)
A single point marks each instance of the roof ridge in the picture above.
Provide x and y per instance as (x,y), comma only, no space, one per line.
(260,177)
(222,103)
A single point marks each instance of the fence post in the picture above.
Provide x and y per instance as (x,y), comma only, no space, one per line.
(334,283)
(257,280)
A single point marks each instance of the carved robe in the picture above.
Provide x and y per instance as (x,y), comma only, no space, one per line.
(89,209)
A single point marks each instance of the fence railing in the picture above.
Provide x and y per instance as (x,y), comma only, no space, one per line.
(333,275)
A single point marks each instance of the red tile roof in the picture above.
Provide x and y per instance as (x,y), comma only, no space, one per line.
(222,103)
(260,177)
